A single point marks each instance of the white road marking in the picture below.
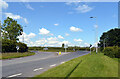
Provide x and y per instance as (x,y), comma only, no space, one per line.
(62,62)
(14,75)
(52,65)
(37,69)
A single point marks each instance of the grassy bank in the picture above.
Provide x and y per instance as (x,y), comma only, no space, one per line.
(15,55)
(95,65)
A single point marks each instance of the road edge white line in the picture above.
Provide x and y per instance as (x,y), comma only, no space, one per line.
(37,69)
(62,62)
(15,75)
(53,65)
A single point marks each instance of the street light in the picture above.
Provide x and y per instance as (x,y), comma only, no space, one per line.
(96,35)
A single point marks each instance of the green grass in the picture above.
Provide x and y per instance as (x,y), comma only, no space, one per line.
(95,65)
(15,55)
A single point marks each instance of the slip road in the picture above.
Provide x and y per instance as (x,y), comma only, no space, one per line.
(34,65)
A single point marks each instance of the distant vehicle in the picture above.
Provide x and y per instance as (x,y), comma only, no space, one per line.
(45,48)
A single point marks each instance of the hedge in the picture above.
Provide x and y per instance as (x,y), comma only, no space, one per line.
(113,52)
(10,46)
(22,47)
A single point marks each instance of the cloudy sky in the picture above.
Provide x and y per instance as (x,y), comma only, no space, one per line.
(54,23)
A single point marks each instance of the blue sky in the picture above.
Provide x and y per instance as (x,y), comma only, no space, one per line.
(54,23)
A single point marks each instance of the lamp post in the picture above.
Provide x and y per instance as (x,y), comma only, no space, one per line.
(96,36)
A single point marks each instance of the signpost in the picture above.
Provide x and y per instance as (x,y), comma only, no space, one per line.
(17,47)
(73,49)
(90,48)
(65,46)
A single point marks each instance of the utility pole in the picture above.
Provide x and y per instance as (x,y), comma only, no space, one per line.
(23,33)
(96,36)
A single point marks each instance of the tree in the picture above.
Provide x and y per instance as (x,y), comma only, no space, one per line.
(11,29)
(110,38)
(63,45)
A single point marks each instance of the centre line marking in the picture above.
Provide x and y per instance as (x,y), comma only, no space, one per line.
(52,65)
(37,69)
(15,75)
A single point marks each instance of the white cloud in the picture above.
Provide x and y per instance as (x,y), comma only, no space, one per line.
(61,37)
(16,17)
(75,29)
(31,35)
(96,26)
(86,44)
(83,9)
(25,20)
(13,16)
(68,3)
(78,40)
(3,4)
(29,7)
(52,40)
(66,34)
(73,2)
(40,42)
(65,42)
(27,38)
(56,24)
(44,31)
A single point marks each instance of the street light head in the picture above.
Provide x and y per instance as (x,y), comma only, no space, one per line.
(92,17)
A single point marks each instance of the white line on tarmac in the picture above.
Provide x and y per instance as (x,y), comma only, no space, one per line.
(37,69)
(62,62)
(53,65)
(14,75)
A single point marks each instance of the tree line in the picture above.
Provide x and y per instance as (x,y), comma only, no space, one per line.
(110,43)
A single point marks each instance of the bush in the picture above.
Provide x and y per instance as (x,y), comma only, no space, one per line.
(8,45)
(113,52)
(22,47)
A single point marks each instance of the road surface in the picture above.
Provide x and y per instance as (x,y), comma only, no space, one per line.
(34,65)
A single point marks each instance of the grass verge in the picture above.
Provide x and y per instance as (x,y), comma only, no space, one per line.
(95,65)
(15,55)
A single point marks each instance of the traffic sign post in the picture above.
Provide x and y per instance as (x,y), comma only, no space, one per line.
(65,46)
(90,48)
(17,47)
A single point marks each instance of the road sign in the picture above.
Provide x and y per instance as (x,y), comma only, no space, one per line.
(17,47)
(90,45)
(65,46)
(90,48)
(73,49)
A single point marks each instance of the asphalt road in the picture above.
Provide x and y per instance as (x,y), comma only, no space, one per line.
(34,65)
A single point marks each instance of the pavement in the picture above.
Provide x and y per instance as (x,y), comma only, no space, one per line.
(36,64)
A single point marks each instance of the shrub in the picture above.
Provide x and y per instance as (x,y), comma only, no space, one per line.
(22,47)
(113,52)
(8,45)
